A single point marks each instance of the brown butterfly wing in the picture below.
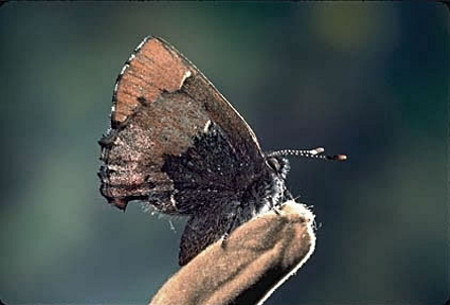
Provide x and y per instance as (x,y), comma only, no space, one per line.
(162,104)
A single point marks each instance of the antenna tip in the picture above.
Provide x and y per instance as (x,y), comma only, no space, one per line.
(341,157)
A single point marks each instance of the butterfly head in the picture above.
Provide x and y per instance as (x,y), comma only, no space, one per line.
(279,165)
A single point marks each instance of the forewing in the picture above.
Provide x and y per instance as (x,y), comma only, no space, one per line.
(161,105)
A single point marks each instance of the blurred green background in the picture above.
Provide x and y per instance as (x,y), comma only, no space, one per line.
(366,79)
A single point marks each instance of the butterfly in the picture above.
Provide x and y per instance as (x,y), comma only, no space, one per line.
(176,144)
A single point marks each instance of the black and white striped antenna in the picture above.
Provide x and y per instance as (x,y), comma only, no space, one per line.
(316,153)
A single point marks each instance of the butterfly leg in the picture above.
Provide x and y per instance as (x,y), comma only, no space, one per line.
(288,195)
(231,226)
(276,210)
(276,207)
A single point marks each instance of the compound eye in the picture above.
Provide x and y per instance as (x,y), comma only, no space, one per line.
(274,164)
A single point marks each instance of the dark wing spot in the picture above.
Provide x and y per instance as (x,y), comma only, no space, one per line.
(141,100)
